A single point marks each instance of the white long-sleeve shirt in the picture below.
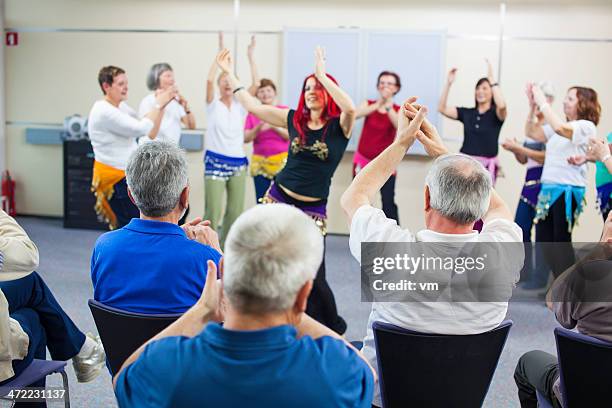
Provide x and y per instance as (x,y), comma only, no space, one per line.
(170,127)
(113,132)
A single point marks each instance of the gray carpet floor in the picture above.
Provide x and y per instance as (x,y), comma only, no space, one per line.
(64,264)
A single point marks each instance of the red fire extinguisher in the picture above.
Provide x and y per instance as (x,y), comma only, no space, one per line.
(8,194)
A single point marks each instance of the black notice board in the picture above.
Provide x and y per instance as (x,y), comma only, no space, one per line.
(78,199)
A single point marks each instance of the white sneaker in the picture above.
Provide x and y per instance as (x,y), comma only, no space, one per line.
(88,367)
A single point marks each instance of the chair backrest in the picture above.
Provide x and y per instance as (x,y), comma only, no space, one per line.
(123,332)
(433,370)
(584,362)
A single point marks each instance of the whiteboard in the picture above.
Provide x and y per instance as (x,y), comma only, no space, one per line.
(355,57)
(342,54)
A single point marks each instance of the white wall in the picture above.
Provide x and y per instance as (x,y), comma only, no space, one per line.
(53,74)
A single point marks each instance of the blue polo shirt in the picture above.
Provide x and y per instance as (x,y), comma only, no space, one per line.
(263,368)
(149,267)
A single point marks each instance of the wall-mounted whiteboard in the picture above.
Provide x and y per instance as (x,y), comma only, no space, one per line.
(342,50)
(355,57)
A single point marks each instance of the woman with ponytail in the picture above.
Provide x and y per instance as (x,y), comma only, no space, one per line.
(319,130)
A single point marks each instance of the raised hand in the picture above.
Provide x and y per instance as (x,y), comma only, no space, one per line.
(211,300)
(490,75)
(451,75)
(319,62)
(224,61)
(204,234)
(221,46)
(251,47)
(538,96)
(597,149)
(510,144)
(428,134)
(163,97)
(529,93)
(409,125)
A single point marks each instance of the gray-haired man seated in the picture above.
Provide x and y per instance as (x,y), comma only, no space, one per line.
(458,192)
(268,352)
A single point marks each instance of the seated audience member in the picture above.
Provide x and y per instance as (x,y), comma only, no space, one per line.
(576,305)
(152,265)
(268,352)
(458,192)
(31,320)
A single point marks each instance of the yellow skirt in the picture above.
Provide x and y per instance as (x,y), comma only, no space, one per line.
(267,166)
(103,185)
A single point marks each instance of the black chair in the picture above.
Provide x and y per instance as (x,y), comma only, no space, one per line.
(433,370)
(584,362)
(123,332)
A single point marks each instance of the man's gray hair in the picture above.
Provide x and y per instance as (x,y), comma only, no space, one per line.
(271,251)
(156,174)
(154,73)
(459,188)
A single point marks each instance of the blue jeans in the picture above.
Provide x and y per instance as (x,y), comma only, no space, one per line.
(535,269)
(262,184)
(30,300)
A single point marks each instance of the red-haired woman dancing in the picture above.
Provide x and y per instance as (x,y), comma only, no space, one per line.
(319,130)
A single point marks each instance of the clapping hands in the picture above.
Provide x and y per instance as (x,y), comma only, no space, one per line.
(199,230)
(426,132)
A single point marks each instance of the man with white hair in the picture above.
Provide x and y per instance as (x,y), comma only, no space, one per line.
(458,192)
(152,265)
(268,352)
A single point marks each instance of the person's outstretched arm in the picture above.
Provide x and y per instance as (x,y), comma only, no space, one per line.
(498,97)
(522,153)
(268,113)
(560,127)
(533,126)
(371,178)
(255,79)
(448,111)
(344,102)
(497,209)
(212,72)
(365,108)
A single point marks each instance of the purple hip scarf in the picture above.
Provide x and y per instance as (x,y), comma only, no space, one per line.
(491,164)
(532,186)
(604,194)
(317,210)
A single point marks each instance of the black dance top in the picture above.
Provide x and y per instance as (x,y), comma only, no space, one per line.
(480,131)
(310,167)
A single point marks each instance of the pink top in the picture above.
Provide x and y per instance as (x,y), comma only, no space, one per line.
(267,142)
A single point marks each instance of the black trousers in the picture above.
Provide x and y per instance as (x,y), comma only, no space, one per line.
(387,194)
(122,206)
(322,303)
(536,370)
(555,229)
(609,208)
